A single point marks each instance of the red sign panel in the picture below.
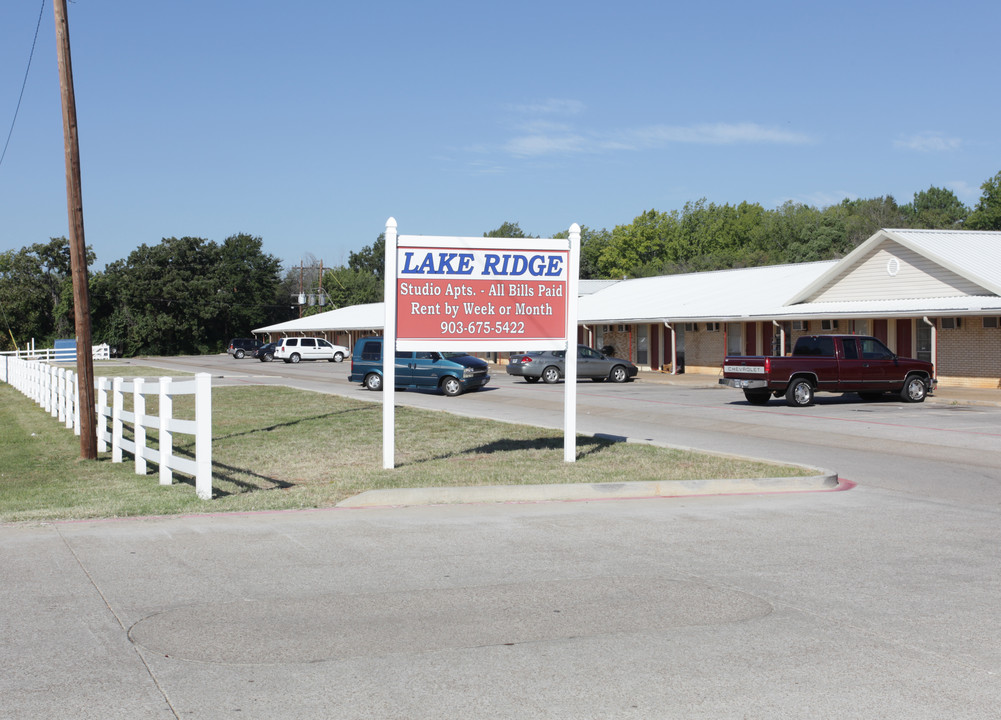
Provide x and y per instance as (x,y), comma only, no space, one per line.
(482,297)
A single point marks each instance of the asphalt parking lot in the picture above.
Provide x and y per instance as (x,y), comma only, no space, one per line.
(878,601)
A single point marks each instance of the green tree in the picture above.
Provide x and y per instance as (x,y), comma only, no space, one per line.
(715,237)
(935,208)
(247,280)
(987,214)
(348,286)
(187,295)
(648,239)
(795,232)
(592,244)
(370,259)
(864,217)
(36,293)
(506,230)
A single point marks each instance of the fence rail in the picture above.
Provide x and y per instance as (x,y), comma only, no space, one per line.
(100,352)
(56,390)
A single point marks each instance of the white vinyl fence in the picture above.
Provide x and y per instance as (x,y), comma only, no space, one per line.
(100,352)
(55,390)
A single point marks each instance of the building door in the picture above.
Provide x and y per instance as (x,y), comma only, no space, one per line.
(749,345)
(904,337)
(733,338)
(679,342)
(924,340)
(642,344)
(655,346)
(880,331)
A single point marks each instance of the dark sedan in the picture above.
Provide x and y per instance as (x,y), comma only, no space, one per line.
(265,353)
(549,366)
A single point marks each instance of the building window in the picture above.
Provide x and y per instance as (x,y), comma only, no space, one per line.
(712,327)
(691,327)
(828,324)
(990,322)
(800,325)
(951,323)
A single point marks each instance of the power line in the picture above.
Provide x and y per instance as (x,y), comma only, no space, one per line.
(24,83)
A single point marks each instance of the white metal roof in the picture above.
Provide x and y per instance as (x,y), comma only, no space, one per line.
(718,295)
(771,292)
(947,306)
(971,254)
(587,287)
(354,317)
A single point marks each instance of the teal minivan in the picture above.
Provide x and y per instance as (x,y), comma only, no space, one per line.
(452,373)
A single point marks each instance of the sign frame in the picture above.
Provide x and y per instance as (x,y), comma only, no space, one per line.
(466,267)
(485,294)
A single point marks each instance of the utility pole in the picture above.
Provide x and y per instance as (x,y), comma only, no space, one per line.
(78,247)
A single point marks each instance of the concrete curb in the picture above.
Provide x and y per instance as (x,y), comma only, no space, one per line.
(589,491)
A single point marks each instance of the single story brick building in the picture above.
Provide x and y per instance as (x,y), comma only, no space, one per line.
(930,294)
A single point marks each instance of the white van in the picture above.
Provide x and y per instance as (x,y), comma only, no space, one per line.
(294,349)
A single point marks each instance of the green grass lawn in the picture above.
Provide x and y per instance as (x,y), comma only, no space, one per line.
(278,448)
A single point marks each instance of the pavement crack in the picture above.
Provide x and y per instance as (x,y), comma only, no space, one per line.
(118,619)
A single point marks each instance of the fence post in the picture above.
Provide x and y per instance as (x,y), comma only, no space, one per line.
(139,409)
(166,413)
(69,387)
(102,419)
(116,420)
(50,391)
(203,435)
(58,380)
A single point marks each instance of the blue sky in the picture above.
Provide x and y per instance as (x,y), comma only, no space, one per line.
(311,123)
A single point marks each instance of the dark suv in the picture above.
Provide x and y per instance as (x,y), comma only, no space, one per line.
(451,373)
(241,347)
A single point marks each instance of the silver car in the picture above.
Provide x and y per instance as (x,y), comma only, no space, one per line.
(549,366)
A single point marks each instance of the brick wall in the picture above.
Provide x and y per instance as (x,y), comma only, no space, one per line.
(969,355)
(621,340)
(703,349)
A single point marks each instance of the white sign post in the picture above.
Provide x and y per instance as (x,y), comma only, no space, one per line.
(389,352)
(486,294)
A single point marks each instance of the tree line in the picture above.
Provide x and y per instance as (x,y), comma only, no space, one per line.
(190,295)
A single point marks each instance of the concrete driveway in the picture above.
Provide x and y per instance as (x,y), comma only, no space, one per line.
(880,601)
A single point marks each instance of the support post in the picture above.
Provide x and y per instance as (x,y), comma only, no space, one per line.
(102,419)
(139,410)
(117,407)
(166,437)
(203,435)
(570,360)
(78,247)
(389,352)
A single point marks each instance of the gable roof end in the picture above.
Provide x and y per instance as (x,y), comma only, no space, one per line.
(971,254)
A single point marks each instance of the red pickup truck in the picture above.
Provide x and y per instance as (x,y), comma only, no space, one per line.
(829,363)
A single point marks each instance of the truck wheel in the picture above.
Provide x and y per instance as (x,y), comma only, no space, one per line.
(551,375)
(799,393)
(914,389)
(451,386)
(373,381)
(757,397)
(338,357)
(238,354)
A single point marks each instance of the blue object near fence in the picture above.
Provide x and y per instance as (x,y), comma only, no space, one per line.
(65,350)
